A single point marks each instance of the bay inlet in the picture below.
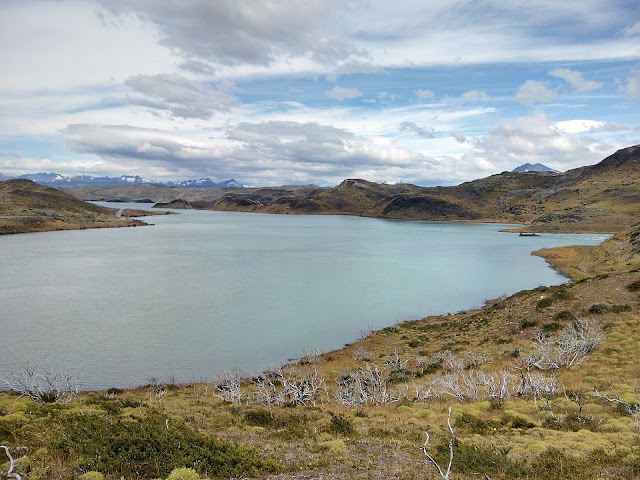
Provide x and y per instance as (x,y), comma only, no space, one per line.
(202,292)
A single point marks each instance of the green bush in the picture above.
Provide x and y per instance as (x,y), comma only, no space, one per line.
(554,463)
(527,323)
(471,459)
(634,287)
(621,308)
(93,475)
(340,425)
(259,418)
(149,447)
(564,315)
(516,421)
(183,474)
(570,423)
(544,302)
(563,294)
(551,326)
(599,308)
(473,423)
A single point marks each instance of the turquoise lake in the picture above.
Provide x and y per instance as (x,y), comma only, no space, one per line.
(201,292)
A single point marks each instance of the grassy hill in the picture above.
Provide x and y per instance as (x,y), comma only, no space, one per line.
(26,206)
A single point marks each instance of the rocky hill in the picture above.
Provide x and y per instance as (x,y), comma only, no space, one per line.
(26,206)
(536,167)
(600,198)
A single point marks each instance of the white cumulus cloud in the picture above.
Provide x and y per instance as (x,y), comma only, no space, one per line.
(474,96)
(575,79)
(532,91)
(425,94)
(631,30)
(631,88)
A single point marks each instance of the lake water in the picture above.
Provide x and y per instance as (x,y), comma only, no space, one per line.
(201,292)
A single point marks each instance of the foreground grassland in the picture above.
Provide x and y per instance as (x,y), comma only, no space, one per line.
(362,411)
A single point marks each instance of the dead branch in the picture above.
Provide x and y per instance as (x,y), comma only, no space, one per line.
(632,409)
(12,463)
(45,386)
(444,476)
(229,386)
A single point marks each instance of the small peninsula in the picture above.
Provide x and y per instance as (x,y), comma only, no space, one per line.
(26,206)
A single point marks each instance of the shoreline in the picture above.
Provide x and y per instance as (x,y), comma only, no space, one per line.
(485,305)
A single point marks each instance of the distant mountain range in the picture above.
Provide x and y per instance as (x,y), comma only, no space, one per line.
(537,167)
(63,181)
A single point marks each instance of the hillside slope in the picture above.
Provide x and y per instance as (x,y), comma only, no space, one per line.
(26,206)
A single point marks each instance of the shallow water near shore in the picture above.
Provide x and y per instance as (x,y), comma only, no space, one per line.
(201,292)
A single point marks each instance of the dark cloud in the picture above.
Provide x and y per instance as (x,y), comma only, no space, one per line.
(459,136)
(178,95)
(410,127)
(232,32)
(308,143)
(260,153)
(341,93)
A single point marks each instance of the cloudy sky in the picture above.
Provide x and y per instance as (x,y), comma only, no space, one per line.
(274,92)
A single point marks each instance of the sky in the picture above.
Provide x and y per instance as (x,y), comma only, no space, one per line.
(274,92)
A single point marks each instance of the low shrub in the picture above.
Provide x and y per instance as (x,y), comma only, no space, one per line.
(544,302)
(527,323)
(183,474)
(150,447)
(93,475)
(563,294)
(551,326)
(599,308)
(340,425)
(471,459)
(564,315)
(516,421)
(473,423)
(554,463)
(634,287)
(621,308)
(259,418)
(570,423)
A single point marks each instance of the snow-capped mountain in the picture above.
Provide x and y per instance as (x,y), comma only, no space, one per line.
(206,182)
(63,181)
(528,167)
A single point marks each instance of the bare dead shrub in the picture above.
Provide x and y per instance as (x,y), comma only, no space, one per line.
(42,385)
